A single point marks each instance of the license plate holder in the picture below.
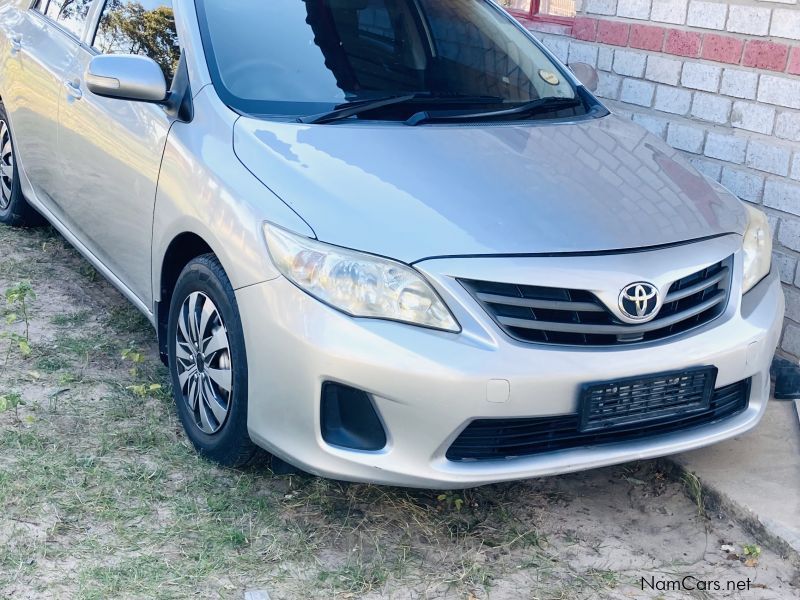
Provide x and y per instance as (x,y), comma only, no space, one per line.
(620,403)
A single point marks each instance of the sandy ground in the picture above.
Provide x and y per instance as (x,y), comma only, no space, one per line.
(102,497)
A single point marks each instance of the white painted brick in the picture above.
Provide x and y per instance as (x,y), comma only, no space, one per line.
(787,126)
(746,184)
(673,100)
(629,62)
(786,23)
(792,303)
(748,19)
(795,172)
(623,113)
(608,85)
(729,148)
(580,52)
(753,117)
(768,157)
(789,235)
(708,15)
(711,107)
(663,70)
(752,20)
(655,125)
(669,11)
(634,9)
(638,92)
(791,340)
(787,266)
(739,84)
(605,58)
(772,222)
(601,7)
(779,90)
(686,137)
(784,196)
(699,76)
(710,169)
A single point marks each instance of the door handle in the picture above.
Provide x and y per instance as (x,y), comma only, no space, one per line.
(16,42)
(74,89)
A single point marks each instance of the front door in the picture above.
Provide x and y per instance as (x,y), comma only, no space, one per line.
(112,149)
(43,40)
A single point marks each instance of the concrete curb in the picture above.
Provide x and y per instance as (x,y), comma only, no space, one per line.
(768,534)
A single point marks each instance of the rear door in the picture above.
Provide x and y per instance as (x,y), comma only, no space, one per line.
(112,149)
(43,39)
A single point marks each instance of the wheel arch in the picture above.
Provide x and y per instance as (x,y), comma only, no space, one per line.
(180,252)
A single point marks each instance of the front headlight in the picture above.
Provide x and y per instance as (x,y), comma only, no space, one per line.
(361,285)
(757,248)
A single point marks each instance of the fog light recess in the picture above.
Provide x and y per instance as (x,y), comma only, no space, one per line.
(349,419)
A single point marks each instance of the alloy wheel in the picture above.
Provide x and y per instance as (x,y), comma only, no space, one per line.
(203,360)
(6,166)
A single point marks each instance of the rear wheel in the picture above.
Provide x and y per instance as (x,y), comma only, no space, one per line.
(208,363)
(14,209)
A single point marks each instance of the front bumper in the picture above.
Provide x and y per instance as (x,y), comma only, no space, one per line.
(428,385)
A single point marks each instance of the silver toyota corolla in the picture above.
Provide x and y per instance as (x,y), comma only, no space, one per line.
(388,240)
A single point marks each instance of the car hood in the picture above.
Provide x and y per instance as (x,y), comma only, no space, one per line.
(418,192)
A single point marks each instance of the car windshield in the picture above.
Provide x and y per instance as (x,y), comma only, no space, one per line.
(301,57)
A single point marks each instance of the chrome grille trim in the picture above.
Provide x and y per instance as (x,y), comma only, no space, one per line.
(698,287)
(573,317)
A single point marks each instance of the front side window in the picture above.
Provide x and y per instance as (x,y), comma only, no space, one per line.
(293,57)
(144,27)
(70,14)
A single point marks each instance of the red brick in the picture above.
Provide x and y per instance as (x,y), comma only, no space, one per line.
(722,48)
(584,28)
(683,43)
(794,61)
(612,32)
(765,55)
(647,37)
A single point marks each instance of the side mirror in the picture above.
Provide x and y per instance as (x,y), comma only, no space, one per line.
(586,74)
(126,77)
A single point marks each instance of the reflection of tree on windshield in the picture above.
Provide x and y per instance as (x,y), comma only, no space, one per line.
(74,8)
(71,14)
(129,28)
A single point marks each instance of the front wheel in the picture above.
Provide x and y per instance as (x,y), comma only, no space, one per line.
(14,209)
(208,363)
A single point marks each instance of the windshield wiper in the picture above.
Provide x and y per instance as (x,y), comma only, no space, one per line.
(542,105)
(352,109)
(357,107)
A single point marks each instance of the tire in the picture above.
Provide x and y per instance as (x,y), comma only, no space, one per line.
(204,363)
(14,209)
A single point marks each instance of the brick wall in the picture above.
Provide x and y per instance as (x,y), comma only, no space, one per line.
(717,79)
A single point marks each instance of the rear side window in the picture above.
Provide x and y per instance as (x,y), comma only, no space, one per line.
(144,27)
(70,14)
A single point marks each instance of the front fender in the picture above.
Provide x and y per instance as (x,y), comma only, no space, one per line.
(205,190)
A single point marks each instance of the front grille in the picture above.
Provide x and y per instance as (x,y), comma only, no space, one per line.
(548,315)
(497,439)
